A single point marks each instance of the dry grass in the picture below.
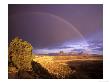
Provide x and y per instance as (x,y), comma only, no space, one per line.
(59,67)
(55,68)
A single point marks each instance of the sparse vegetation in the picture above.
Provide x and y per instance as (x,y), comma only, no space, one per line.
(57,69)
(23,64)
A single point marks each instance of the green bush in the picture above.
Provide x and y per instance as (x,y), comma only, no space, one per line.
(20,54)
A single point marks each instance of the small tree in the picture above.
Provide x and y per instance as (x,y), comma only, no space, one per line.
(20,54)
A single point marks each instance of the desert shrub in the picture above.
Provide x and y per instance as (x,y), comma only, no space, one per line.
(12,69)
(55,68)
(20,54)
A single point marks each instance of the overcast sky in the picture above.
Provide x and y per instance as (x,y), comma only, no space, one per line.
(42,30)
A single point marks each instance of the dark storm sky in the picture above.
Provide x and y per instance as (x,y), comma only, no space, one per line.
(86,18)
